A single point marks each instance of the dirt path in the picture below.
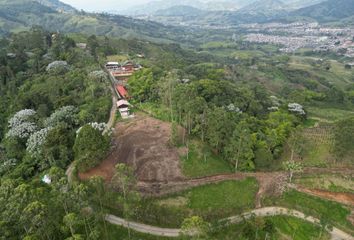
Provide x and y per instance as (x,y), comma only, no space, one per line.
(313,170)
(336,234)
(344,198)
(69,172)
(139,227)
(112,115)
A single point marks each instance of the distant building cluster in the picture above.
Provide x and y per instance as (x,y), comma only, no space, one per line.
(122,71)
(294,36)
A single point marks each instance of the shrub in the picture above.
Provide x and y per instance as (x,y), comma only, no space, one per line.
(36,140)
(67,114)
(296,108)
(22,125)
(58,67)
(100,76)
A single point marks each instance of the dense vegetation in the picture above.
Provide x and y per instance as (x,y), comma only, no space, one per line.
(49,88)
(253,92)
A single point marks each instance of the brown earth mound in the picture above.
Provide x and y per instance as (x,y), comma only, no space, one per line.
(143,144)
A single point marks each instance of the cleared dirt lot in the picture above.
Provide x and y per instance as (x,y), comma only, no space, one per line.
(143,144)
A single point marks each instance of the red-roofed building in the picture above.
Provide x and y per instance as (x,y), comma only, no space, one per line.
(122,91)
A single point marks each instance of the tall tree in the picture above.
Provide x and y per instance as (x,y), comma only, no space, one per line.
(124,180)
(98,192)
(239,150)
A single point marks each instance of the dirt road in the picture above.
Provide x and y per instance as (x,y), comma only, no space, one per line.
(166,232)
(336,234)
(112,115)
(341,197)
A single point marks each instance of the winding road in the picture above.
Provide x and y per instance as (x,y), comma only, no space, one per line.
(336,234)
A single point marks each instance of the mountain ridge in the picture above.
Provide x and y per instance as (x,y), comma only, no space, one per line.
(330,10)
(57,5)
(180,10)
(264,6)
(20,15)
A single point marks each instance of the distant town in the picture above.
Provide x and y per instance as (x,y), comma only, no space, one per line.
(298,35)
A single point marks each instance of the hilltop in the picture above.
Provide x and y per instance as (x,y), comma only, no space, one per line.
(264,5)
(58,5)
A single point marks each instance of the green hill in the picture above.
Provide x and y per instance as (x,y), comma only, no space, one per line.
(58,5)
(181,10)
(264,5)
(331,10)
(19,15)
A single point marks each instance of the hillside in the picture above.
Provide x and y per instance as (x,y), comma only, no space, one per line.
(154,6)
(58,5)
(264,6)
(19,15)
(181,10)
(327,11)
(219,5)
(297,4)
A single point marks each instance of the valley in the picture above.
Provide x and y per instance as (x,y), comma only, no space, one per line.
(193,120)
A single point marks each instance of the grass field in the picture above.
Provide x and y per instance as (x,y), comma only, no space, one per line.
(229,196)
(202,161)
(329,114)
(212,202)
(318,155)
(309,122)
(155,110)
(242,54)
(337,74)
(297,229)
(117,58)
(329,182)
(332,212)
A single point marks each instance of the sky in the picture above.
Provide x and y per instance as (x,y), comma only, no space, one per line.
(104,5)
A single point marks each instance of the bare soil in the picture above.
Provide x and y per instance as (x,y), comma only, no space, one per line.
(144,144)
(344,198)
